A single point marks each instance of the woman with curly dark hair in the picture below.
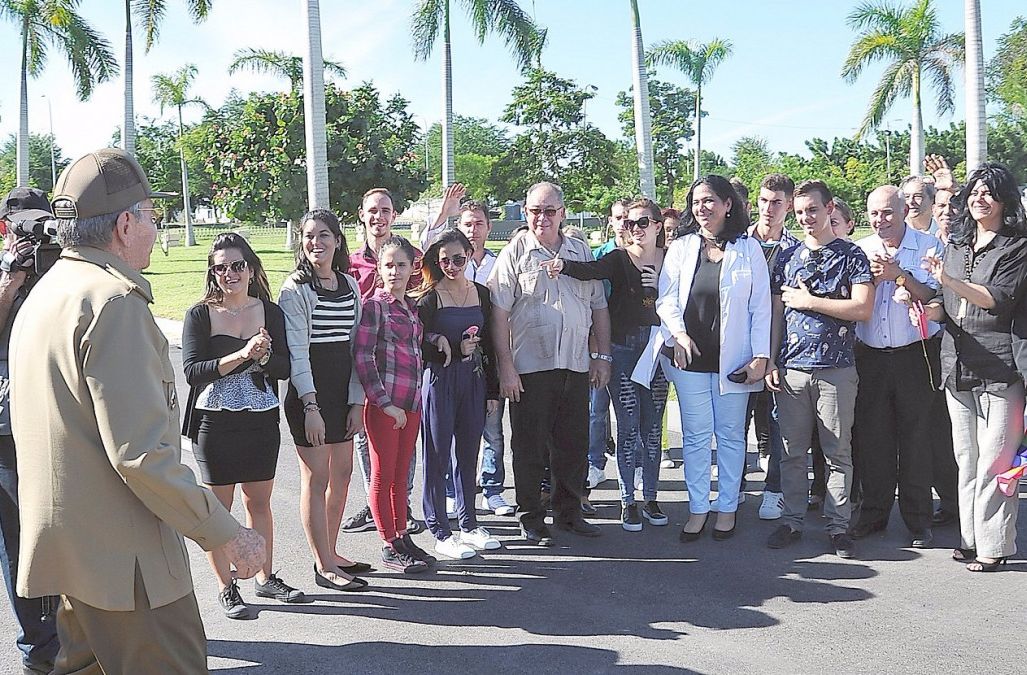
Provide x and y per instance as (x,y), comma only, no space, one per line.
(981,275)
(234,352)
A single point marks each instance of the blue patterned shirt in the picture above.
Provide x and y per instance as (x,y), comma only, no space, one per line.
(813,340)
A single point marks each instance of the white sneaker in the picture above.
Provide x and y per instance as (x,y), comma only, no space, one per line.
(451,508)
(451,547)
(638,478)
(497,505)
(764,462)
(772,506)
(595,476)
(666,462)
(480,539)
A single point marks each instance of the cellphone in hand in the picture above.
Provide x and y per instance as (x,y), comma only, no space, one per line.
(739,376)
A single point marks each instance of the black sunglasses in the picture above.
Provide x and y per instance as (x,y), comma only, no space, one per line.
(642,223)
(237,266)
(455,261)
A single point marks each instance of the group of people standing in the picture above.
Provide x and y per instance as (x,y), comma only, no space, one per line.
(858,351)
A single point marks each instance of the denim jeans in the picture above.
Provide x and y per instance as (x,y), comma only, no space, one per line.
(493,474)
(639,418)
(37,639)
(777,449)
(706,412)
(598,426)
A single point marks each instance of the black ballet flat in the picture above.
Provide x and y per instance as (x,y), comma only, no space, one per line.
(355,584)
(356,568)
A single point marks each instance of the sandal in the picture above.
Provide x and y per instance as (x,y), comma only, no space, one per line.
(964,555)
(981,566)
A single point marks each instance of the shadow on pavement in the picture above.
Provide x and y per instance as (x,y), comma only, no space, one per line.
(391,657)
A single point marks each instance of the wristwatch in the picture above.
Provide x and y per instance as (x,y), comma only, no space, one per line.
(601,357)
(901,279)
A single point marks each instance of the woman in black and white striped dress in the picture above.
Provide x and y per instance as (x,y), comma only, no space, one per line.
(324,404)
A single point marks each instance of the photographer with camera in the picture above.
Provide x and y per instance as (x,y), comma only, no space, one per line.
(37,639)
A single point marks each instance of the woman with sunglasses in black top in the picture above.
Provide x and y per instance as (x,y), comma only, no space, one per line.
(234,352)
(633,273)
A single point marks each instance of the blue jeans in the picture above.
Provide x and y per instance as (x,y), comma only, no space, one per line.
(493,474)
(37,639)
(639,419)
(777,449)
(598,426)
(705,412)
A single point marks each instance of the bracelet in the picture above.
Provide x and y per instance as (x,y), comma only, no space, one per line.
(602,357)
(264,359)
(311,407)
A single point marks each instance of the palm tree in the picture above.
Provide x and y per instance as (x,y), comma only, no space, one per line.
(697,61)
(56,23)
(150,13)
(315,123)
(976,119)
(643,120)
(266,61)
(910,40)
(173,90)
(502,17)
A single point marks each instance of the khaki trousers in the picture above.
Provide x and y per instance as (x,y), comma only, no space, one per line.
(163,641)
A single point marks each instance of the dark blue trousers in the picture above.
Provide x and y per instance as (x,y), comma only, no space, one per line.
(38,637)
(451,425)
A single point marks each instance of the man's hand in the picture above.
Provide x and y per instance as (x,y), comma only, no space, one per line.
(756,370)
(773,377)
(247,551)
(491,406)
(935,266)
(599,373)
(939,168)
(797,297)
(884,268)
(18,260)
(510,386)
(451,200)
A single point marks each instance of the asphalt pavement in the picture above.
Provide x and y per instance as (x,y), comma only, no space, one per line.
(625,601)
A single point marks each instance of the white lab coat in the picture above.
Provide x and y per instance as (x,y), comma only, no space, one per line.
(744,307)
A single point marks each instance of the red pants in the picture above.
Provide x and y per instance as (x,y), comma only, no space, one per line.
(391,451)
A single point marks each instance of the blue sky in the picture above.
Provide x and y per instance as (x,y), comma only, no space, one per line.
(781,83)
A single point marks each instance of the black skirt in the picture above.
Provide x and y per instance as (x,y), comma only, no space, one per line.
(237,446)
(331,364)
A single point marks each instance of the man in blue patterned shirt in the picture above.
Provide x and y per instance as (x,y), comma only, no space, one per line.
(820,289)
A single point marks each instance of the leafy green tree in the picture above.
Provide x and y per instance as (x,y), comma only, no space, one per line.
(505,18)
(476,145)
(253,152)
(158,152)
(1007,71)
(910,41)
(698,61)
(54,23)
(277,63)
(40,175)
(671,109)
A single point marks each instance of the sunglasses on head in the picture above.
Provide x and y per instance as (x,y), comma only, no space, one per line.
(455,261)
(237,266)
(642,223)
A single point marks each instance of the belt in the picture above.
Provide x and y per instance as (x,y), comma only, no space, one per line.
(890,350)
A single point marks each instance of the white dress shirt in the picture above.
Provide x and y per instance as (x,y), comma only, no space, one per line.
(890,326)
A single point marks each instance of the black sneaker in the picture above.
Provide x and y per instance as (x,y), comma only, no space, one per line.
(842,545)
(232,604)
(414,525)
(415,551)
(588,508)
(651,511)
(630,520)
(783,536)
(277,589)
(395,558)
(360,522)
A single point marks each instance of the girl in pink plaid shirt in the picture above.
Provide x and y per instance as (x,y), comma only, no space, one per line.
(388,362)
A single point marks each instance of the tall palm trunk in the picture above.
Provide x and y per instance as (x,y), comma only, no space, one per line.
(697,171)
(128,132)
(916,134)
(976,117)
(190,237)
(643,121)
(448,170)
(22,174)
(314,109)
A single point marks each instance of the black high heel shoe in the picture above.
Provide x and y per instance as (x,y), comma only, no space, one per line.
(355,584)
(987,567)
(724,535)
(686,537)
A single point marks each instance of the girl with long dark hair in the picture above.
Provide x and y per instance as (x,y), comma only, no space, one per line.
(460,385)
(324,403)
(234,352)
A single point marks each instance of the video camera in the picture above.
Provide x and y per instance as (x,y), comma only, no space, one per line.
(42,232)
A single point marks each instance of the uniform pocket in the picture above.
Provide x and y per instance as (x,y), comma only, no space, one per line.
(174,551)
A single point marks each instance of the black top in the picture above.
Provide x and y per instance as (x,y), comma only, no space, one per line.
(702,316)
(630,308)
(428,307)
(977,349)
(200,355)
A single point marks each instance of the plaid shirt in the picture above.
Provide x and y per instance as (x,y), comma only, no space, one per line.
(363,266)
(388,352)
